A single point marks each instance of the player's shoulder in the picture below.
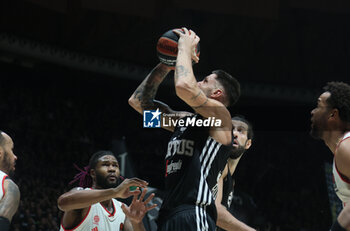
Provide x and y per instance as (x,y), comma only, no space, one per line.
(342,157)
(343,150)
(10,187)
(8,182)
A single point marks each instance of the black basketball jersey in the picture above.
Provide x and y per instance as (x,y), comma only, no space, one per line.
(227,190)
(218,167)
(191,157)
(227,193)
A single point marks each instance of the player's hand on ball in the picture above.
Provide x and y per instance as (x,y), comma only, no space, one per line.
(188,42)
(125,189)
(167,48)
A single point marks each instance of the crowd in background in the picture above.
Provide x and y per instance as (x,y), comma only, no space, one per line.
(58,120)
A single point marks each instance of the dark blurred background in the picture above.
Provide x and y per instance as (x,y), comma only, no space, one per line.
(67,69)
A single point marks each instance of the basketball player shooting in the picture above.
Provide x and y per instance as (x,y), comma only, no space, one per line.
(330,122)
(188,204)
(9,192)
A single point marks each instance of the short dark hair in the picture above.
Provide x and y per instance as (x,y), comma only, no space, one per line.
(250,133)
(97,155)
(2,139)
(339,98)
(231,86)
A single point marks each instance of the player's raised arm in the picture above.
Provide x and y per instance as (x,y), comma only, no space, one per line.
(143,97)
(209,97)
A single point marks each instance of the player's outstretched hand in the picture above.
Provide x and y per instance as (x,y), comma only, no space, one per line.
(138,207)
(125,189)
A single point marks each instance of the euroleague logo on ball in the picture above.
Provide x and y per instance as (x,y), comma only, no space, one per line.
(167,48)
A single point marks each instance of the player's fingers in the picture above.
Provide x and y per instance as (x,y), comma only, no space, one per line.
(185,30)
(144,191)
(149,198)
(135,196)
(134,193)
(192,33)
(195,59)
(195,56)
(151,207)
(125,209)
(137,182)
(179,32)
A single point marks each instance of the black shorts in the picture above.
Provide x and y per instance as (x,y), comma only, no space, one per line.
(187,218)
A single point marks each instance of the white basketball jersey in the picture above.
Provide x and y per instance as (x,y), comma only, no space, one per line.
(2,181)
(100,219)
(341,185)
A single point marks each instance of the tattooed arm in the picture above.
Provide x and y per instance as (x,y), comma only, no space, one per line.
(9,203)
(143,97)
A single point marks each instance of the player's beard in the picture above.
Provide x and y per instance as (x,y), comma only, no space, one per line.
(237,152)
(8,165)
(315,133)
(103,182)
(317,130)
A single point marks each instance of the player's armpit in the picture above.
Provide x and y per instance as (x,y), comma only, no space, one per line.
(9,203)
